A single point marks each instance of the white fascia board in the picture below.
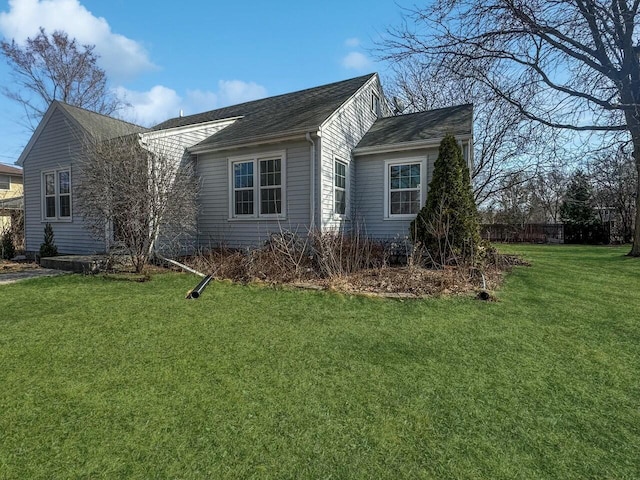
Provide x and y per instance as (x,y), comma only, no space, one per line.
(41,127)
(349,100)
(400,147)
(188,128)
(257,140)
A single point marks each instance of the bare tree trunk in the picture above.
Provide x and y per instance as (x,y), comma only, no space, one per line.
(633,124)
(635,249)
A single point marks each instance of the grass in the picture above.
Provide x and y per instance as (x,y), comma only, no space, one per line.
(107,379)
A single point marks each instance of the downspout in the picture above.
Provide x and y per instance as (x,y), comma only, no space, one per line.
(312,179)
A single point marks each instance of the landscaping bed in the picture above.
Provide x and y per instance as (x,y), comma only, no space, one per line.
(369,271)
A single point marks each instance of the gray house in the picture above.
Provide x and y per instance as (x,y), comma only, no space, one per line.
(329,158)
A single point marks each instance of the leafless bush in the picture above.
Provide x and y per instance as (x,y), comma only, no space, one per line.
(349,263)
(337,254)
(135,193)
(287,256)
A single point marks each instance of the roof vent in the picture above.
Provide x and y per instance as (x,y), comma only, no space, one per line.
(181,113)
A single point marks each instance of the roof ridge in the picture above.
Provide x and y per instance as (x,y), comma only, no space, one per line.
(266,98)
(64,104)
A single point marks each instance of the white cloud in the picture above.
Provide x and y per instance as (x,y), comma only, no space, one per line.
(200,101)
(120,56)
(161,103)
(352,42)
(231,92)
(151,107)
(356,61)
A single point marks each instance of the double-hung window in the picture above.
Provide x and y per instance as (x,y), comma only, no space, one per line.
(257,186)
(56,193)
(340,188)
(403,188)
(5,182)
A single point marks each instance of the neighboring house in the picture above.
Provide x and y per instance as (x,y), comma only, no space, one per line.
(329,158)
(10,194)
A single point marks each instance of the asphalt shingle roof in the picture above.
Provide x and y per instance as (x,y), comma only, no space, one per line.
(429,125)
(305,109)
(101,126)
(10,170)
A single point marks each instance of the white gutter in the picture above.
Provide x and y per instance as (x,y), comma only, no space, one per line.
(248,142)
(152,134)
(403,146)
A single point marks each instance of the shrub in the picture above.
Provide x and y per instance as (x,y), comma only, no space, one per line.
(48,248)
(6,246)
(447,226)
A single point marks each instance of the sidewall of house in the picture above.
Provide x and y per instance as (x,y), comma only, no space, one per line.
(217,229)
(57,147)
(372,194)
(340,135)
(173,144)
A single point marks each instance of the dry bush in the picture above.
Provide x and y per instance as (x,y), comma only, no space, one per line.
(351,263)
(337,254)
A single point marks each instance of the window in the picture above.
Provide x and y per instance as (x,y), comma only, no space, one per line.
(403,188)
(243,188)
(340,188)
(271,187)
(56,189)
(258,178)
(375,104)
(5,182)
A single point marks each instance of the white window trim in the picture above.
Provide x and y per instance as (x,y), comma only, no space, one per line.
(8,179)
(375,103)
(387,190)
(256,185)
(336,215)
(43,202)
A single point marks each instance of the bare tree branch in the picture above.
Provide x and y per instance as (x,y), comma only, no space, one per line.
(55,67)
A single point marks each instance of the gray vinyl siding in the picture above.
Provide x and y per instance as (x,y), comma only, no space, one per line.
(371,197)
(56,148)
(174,144)
(340,134)
(214,225)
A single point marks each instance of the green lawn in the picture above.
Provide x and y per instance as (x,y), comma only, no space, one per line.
(107,379)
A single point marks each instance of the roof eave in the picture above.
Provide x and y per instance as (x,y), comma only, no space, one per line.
(192,126)
(255,140)
(404,146)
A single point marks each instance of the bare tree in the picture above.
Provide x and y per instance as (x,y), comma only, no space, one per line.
(549,188)
(505,141)
(515,204)
(570,64)
(615,183)
(54,67)
(139,194)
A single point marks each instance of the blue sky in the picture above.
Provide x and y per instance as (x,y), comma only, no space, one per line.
(196,55)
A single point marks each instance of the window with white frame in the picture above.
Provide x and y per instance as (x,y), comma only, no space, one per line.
(257,186)
(5,182)
(375,103)
(340,188)
(404,188)
(56,194)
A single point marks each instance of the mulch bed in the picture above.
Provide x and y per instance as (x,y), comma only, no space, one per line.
(7,266)
(388,281)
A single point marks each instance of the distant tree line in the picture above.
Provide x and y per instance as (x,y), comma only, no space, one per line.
(596,203)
